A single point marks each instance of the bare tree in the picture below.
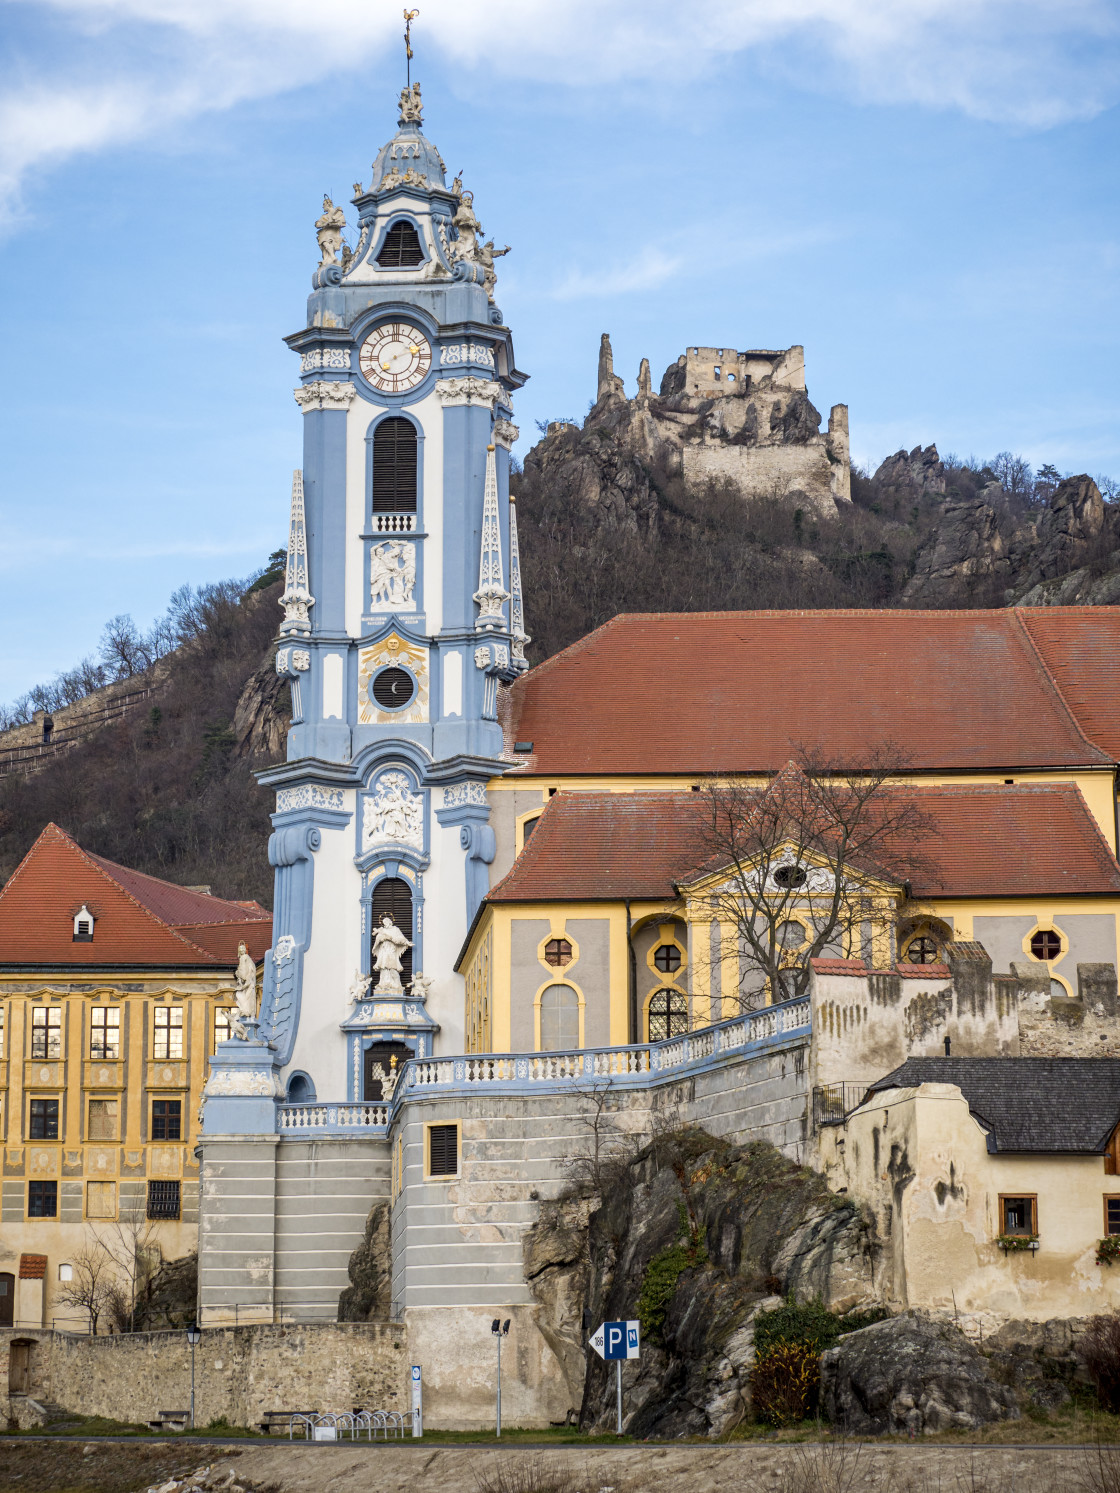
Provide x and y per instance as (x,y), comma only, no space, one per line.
(123,648)
(130,1247)
(604,1150)
(91,1288)
(800,864)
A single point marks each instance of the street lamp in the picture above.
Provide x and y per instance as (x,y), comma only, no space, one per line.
(194,1333)
(500,1330)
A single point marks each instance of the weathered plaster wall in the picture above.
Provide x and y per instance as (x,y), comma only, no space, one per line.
(919,1159)
(240,1373)
(526,975)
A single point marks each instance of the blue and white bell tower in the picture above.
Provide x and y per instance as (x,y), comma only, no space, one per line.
(402,612)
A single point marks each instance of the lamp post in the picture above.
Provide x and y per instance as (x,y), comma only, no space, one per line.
(500,1330)
(194,1333)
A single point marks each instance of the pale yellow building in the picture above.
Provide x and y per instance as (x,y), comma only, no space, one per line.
(114,989)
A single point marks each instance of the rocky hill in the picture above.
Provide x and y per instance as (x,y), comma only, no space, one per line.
(719,492)
(166,784)
(647,505)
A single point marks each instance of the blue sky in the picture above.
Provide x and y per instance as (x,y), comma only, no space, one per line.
(922,192)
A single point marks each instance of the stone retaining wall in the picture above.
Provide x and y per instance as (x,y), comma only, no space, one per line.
(241,1373)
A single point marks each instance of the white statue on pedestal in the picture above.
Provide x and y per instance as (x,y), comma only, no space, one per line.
(389,943)
(244,993)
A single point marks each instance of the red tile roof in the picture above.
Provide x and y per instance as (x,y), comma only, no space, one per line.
(923,971)
(32,1267)
(139,920)
(740,691)
(839,966)
(1007,841)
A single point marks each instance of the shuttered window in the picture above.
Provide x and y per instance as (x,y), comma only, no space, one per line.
(394,467)
(443,1150)
(401,249)
(393,897)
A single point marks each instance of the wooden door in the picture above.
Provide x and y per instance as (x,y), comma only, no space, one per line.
(19,1368)
(7,1299)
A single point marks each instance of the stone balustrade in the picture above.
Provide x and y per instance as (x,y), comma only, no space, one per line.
(630,1066)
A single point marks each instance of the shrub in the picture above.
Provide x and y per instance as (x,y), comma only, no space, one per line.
(809,1322)
(1108,1249)
(785,1384)
(1099,1351)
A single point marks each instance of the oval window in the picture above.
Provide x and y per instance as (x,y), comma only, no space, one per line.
(393,688)
(791,876)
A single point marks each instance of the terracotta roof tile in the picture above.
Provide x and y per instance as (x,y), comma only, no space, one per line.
(1080,647)
(32,1267)
(923,971)
(1003,841)
(839,966)
(133,915)
(736,691)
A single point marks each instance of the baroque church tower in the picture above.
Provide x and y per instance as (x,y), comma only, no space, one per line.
(402,612)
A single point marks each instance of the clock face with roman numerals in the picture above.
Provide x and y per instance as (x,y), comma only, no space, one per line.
(395,357)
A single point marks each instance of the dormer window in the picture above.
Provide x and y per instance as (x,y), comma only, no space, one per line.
(83,925)
(401,249)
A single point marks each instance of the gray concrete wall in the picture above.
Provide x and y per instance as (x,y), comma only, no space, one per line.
(592,973)
(527,974)
(324,1191)
(1091,940)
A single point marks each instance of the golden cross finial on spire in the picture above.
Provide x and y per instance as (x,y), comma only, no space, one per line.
(409,17)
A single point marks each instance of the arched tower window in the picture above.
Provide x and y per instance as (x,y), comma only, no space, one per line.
(401,249)
(394,897)
(394,467)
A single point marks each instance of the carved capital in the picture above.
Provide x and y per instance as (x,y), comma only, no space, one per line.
(470,390)
(325,396)
(505,434)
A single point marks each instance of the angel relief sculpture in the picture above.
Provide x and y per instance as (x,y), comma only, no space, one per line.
(393,812)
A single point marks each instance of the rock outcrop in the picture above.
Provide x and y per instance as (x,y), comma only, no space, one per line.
(368,1296)
(910,1374)
(696,1238)
(914,471)
(744,419)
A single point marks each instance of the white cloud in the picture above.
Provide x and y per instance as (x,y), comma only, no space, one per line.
(645,271)
(131,68)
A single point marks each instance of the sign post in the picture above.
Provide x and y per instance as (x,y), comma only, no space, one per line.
(417,1402)
(614,1341)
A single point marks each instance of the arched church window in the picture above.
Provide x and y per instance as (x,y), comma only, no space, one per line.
(393,898)
(401,249)
(559,1019)
(394,467)
(668,1015)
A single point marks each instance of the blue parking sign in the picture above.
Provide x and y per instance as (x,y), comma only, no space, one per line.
(617,1340)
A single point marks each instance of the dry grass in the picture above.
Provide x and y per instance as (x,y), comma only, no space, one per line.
(542,1475)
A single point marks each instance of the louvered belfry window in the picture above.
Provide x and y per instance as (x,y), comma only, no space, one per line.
(443,1150)
(401,249)
(394,467)
(394,897)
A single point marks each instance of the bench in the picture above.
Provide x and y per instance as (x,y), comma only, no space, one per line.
(278,1421)
(170,1420)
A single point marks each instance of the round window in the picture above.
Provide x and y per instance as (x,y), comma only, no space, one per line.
(667,958)
(791,876)
(393,688)
(1046,944)
(921,950)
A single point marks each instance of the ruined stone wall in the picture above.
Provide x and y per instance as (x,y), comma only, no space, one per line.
(241,1373)
(1057,1027)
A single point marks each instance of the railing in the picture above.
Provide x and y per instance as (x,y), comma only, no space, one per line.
(394,523)
(334,1426)
(834,1102)
(632,1065)
(333,1116)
